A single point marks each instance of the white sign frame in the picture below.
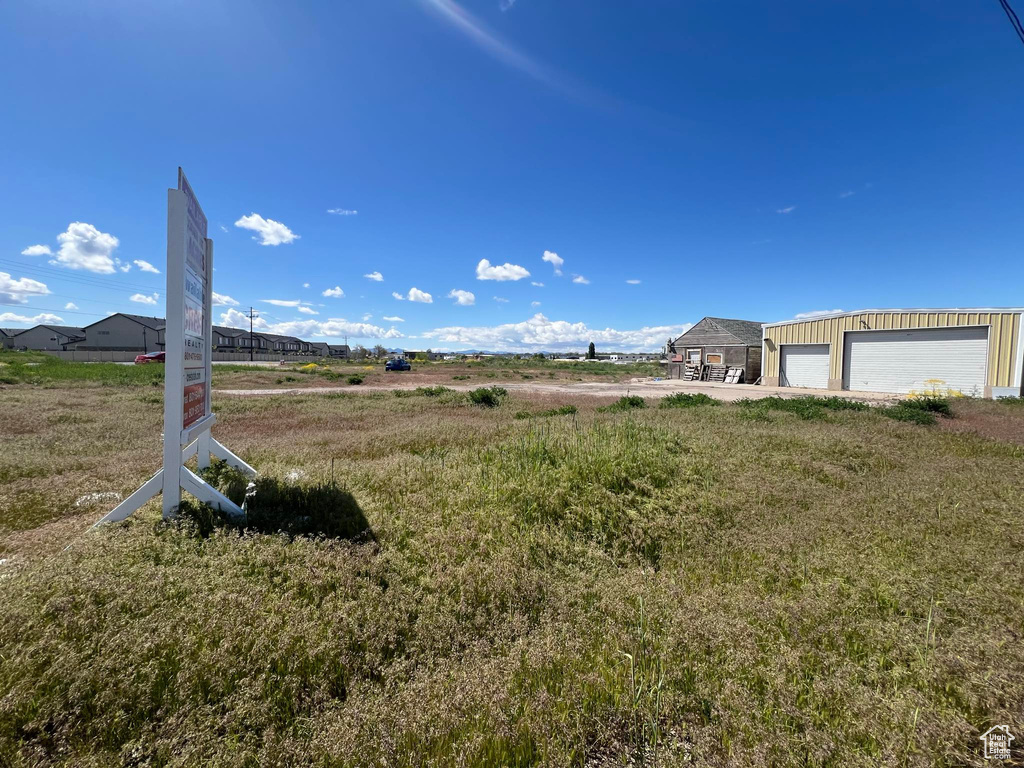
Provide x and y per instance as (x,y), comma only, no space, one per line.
(181,441)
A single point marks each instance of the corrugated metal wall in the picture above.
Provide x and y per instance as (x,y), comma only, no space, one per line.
(1002,341)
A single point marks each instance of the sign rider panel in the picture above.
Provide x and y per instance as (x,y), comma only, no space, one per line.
(196,388)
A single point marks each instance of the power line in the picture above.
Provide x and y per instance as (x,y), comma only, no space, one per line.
(1014,21)
(46,273)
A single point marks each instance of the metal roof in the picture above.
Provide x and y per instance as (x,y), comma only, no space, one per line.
(827,315)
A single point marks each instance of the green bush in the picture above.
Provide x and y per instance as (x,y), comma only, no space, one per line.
(903,413)
(939,405)
(355,378)
(806,407)
(625,403)
(686,400)
(489,397)
(432,391)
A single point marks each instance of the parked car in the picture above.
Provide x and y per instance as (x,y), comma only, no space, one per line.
(397,365)
(151,357)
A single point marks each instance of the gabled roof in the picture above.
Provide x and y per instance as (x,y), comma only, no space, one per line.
(11,331)
(278,337)
(154,323)
(224,330)
(744,331)
(64,330)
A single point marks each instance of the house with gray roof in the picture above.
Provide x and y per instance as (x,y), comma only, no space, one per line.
(716,343)
(122,332)
(7,337)
(52,338)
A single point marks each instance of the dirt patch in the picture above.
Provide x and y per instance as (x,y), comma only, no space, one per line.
(993,419)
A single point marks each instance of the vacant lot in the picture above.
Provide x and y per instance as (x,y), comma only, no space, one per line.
(705,585)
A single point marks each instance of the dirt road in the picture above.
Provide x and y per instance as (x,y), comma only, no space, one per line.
(642,387)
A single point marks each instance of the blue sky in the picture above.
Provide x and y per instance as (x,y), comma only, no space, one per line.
(749,160)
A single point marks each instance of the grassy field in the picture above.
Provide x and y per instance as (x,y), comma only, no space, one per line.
(544,582)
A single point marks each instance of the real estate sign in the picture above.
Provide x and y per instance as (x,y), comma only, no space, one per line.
(195,302)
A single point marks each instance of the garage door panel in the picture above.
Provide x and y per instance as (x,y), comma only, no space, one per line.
(903,361)
(804,365)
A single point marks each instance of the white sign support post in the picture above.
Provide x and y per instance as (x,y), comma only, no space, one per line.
(188,345)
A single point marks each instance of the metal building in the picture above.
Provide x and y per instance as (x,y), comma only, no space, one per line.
(975,352)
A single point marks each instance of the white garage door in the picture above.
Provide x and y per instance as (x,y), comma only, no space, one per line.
(804,365)
(916,360)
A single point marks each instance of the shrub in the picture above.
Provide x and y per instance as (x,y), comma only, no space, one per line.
(432,391)
(686,400)
(625,403)
(928,403)
(489,397)
(355,378)
(460,378)
(806,407)
(902,412)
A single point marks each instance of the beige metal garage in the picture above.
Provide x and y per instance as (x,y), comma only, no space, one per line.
(969,351)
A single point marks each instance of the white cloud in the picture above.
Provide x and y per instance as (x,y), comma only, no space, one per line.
(270,232)
(367,316)
(554,260)
(847,193)
(462,298)
(305,285)
(392,319)
(506,5)
(535,283)
(222,300)
(70,305)
(18,291)
(539,333)
(124,266)
(145,266)
(282,302)
(534,304)
(788,209)
(398,296)
(308,311)
(40,319)
(500,299)
(37,250)
(141,298)
(331,328)
(342,211)
(633,282)
(83,246)
(486,271)
(415,294)
(335,292)
(376,276)
(817,313)
(581,280)
(223,228)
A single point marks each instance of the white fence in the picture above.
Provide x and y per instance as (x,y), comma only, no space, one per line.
(113,356)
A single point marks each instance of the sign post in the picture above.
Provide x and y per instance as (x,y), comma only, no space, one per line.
(188,345)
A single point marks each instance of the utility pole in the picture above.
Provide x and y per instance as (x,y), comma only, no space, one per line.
(252,316)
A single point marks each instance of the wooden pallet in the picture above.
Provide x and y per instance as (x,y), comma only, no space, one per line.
(717,373)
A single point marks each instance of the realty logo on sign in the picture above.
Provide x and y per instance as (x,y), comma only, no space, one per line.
(997,741)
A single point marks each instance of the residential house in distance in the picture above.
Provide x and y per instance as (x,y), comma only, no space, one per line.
(51,338)
(715,345)
(285,345)
(7,337)
(340,351)
(124,333)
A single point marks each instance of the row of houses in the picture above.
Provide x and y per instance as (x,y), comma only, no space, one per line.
(137,333)
(977,352)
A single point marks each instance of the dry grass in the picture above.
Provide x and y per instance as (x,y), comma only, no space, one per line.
(661,586)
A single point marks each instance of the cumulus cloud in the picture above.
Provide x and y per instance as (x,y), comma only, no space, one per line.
(633,282)
(44,318)
(541,333)
(486,271)
(500,299)
(83,246)
(788,209)
(375,276)
(335,292)
(398,296)
(141,298)
(367,316)
(282,302)
(463,298)
(18,291)
(145,266)
(342,211)
(308,311)
(268,231)
(554,260)
(534,304)
(305,285)
(535,283)
(846,194)
(222,300)
(37,250)
(817,313)
(392,319)
(415,294)
(335,327)
(580,279)
(70,305)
